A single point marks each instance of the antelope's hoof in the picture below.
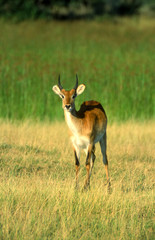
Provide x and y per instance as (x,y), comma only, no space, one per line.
(86,187)
(76,187)
(109,189)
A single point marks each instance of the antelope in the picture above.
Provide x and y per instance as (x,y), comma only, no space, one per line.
(87,127)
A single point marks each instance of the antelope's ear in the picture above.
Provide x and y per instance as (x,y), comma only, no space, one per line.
(57,90)
(80,89)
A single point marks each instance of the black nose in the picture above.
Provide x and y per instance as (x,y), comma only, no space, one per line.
(67,106)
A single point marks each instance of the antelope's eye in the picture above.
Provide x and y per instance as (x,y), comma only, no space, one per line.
(62,96)
(73,96)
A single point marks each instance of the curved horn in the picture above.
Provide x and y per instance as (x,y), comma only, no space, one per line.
(76,85)
(59,84)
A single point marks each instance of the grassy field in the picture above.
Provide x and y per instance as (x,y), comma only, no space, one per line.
(115,59)
(37,179)
(38,199)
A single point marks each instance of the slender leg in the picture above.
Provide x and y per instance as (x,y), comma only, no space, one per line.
(77,165)
(103,150)
(88,165)
(92,160)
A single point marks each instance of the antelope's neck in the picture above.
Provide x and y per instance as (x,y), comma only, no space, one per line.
(72,121)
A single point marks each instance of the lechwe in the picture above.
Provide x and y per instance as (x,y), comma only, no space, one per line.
(87,127)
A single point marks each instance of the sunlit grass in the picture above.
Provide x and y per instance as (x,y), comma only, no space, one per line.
(38,199)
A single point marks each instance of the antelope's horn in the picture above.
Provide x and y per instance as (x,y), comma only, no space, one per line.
(59,84)
(76,85)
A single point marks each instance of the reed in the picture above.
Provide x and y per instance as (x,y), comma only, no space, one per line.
(114,59)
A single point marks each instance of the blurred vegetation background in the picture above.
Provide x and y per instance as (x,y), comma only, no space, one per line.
(113,55)
(114,60)
(73,9)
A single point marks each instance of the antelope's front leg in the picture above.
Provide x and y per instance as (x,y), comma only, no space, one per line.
(77,165)
(88,165)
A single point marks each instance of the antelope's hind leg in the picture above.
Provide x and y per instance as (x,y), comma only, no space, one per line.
(77,164)
(92,159)
(103,146)
(89,163)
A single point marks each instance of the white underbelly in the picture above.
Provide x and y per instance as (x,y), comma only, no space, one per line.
(80,142)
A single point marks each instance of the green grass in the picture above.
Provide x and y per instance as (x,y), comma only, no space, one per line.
(114,59)
(38,199)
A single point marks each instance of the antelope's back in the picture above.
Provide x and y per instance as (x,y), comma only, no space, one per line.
(94,117)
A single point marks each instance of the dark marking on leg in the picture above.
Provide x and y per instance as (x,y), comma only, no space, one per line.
(103,145)
(76,159)
(93,155)
(88,159)
(77,167)
(88,168)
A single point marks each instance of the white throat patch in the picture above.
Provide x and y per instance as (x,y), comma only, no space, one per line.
(70,123)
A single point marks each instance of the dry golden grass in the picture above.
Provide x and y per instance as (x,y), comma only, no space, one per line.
(37,178)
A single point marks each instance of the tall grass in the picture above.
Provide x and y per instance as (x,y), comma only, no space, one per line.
(37,195)
(114,59)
